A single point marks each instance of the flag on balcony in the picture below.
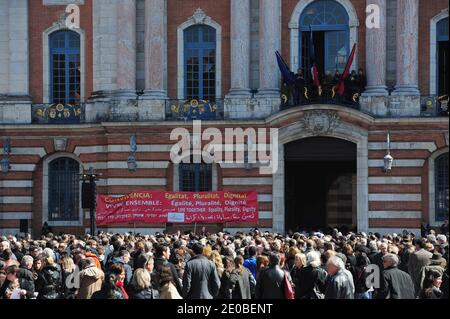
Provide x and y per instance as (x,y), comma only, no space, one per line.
(340,87)
(312,57)
(288,76)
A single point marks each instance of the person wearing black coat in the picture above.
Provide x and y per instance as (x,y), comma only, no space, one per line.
(270,284)
(109,290)
(48,283)
(242,282)
(360,275)
(25,278)
(162,254)
(395,283)
(141,286)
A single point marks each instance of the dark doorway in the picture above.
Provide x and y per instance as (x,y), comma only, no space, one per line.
(320,184)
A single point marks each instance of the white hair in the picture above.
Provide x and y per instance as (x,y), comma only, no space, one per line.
(49,252)
(313,259)
(364,241)
(392,258)
(27,260)
(336,262)
(441,238)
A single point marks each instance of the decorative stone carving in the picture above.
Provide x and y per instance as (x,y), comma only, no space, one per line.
(199,16)
(60,144)
(320,122)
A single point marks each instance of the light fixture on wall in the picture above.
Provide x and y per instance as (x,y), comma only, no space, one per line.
(131,162)
(388,159)
(5,163)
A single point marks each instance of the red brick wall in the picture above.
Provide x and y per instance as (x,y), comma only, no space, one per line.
(427,10)
(178,11)
(41,18)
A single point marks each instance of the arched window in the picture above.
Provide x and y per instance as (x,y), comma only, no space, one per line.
(329,23)
(441,187)
(195,177)
(442,57)
(63,190)
(65,72)
(200,62)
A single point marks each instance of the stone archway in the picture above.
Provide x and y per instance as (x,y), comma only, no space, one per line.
(315,121)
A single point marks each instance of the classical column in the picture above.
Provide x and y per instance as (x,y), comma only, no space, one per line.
(407,47)
(376,54)
(155,49)
(126,49)
(240,48)
(269,42)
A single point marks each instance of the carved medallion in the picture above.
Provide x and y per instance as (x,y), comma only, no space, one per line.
(320,122)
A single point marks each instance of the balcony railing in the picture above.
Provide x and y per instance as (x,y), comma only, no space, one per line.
(433,105)
(57,113)
(188,110)
(326,94)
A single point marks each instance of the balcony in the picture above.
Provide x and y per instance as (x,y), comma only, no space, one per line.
(188,110)
(323,95)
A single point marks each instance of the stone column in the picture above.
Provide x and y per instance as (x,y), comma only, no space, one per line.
(376,54)
(15,104)
(269,42)
(126,49)
(240,49)
(407,48)
(155,49)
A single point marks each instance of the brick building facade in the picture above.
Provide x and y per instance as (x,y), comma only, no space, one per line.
(131,71)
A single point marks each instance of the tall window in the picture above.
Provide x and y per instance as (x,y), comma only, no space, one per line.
(195,177)
(441,187)
(442,57)
(200,62)
(63,190)
(329,22)
(65,67)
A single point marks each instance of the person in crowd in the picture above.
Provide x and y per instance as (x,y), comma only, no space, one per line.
(395,283)
(225,279)
(250,261)
(340,285)
(167,289)
(299,263)
(119,271)
(242,284)
(360,275)
(311,279)
(110,289)
(141,286)
(16,281)
(91,279)
(431,286)
(162,256)
(217,260)
(261,263)
(417,260)
(270,283)
(48,282)
(68,270)
(200,279)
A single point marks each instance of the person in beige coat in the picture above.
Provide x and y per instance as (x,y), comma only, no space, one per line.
(91,279)
(167,289)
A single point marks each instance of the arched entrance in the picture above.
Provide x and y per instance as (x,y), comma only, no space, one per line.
(337,123)
(320,184)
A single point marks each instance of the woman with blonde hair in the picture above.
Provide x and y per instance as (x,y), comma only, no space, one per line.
(217,260)
(141,286)
(67,268)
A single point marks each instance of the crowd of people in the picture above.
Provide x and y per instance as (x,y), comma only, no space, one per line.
(254,265)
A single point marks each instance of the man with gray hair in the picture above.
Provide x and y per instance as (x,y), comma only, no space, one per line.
(340,285)
(395,283)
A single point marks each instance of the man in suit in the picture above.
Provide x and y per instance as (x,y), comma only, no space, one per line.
(417,260)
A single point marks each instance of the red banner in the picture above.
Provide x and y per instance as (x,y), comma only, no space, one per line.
(178,207)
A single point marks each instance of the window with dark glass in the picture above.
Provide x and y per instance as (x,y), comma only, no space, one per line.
(195,177)
(443,57)
(329,23)
(441,187)
(200,62)
(65,67)
(63,190)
